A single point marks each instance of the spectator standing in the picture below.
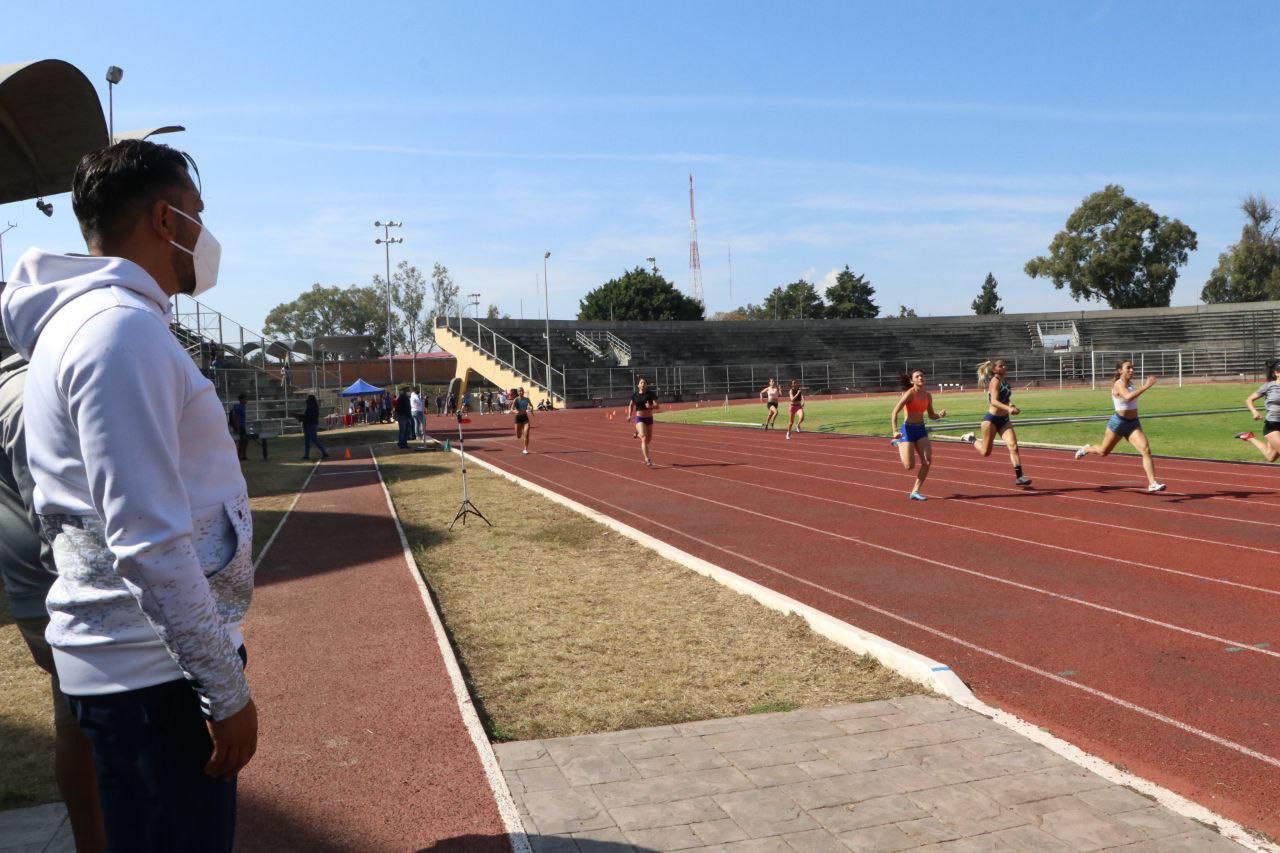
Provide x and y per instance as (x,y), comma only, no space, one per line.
(439,404)
(418,410)
(28,571)
(404,417)
(311,428)
(239,423)
(148,519)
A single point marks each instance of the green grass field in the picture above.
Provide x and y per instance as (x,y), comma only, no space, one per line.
(1205,435)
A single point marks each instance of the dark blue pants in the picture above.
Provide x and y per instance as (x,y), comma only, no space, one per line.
(150,747)
(310,436)
(406,431)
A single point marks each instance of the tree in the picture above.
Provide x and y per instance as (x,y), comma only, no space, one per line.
(408,293)
(799,300)
(988,301)
(324,310)
(904,311)
(444,293)
(735,314)
(850,296)
(494,314)
(638,294)
(1249,271)
(1118,250)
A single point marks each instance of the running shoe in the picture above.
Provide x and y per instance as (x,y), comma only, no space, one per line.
(969,438)
(525,452)
(788,436)
(648,462)
(1245,436)
(1156,487)
(916,496)
(1023,481)
(1080,454)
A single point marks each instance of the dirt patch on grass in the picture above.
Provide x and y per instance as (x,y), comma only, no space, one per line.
(565,627)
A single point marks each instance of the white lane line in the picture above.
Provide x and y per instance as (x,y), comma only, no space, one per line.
(516,835)
(284,518)
(1000,535)
(1100,694)
(940,564)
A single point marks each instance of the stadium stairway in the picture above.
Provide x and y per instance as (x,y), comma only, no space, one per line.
(473,358)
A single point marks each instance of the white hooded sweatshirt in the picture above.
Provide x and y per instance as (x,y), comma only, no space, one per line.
(136,483)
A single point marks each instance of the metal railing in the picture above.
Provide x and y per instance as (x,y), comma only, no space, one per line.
(1028,369)
(1053,332)
(621,349)
(507,353)
(586,340)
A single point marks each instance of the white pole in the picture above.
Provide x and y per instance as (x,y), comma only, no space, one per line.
(1179,368)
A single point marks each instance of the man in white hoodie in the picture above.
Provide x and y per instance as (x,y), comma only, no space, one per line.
(140,495)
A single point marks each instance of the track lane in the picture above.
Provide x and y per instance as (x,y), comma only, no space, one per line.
(1144,746)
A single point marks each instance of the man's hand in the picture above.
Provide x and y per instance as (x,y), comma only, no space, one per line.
(235,740)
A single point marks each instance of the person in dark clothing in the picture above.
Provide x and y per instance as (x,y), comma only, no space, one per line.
(240,426)
(311,428)
(404,417)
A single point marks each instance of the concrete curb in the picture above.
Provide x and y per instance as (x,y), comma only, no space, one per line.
(936,676)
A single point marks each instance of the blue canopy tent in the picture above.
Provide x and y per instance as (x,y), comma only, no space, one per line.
(360,388)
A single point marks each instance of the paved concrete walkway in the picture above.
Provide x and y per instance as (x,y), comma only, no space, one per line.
(912,773)
(39,829)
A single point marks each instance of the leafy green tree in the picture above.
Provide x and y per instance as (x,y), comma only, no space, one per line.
(638,294)
(493,313)
(444,293)
(408,294)
(1249,270)
(334,310)
(988,301)
(850,296)
(735,314)
(904,311)
(799,300)
(1118,250)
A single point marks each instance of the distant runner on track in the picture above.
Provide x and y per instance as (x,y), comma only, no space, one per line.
(521,405)
(914,436)
(996,421)
(769,394)
(1269,445)
(796,393)
(643,405)
(1125,424)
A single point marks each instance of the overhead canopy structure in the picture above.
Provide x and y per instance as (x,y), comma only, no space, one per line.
(50,117)
(359,388)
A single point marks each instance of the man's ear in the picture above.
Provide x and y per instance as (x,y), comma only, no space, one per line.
(164,222)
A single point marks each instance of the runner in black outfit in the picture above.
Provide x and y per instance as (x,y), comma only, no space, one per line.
(643,405)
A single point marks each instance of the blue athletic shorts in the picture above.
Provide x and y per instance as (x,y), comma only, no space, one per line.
(1123,427)
(997,421)
(913,432)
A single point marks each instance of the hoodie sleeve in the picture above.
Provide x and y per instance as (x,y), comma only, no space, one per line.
(125,392)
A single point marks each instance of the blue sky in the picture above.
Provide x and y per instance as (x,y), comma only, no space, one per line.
(922,144)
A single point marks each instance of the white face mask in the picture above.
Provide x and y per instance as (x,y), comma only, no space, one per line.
(206,255)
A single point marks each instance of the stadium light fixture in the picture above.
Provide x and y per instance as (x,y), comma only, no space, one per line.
(114,75)
(44,207)
(653,261)
(546,304)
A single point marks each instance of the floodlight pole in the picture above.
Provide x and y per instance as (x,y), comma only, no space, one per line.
(386,240)
(12,225)
(114,75)
(546,304)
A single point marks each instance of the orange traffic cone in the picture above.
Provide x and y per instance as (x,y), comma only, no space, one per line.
(348,454)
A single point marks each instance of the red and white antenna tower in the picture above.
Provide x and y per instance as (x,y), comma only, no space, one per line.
(695,263)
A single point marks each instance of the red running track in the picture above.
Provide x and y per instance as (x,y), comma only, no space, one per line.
(1140,627)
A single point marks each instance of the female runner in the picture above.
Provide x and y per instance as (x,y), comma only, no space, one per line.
(797,408)
(996,421)
(643,405)
(770,394)
(521,406)
(914,437)
(1125,424)
(1269,445)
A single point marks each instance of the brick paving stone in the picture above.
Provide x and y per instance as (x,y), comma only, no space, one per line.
(1156,822)
(1040,784)
(769,756)
(927,830)
(518,755)
(664,838)
(1117,798)
(832,791)
(814,841)
(821,768)
(33,825)
(553,844)
(874,812)
(542,779)
(569,810)
(769,777)
(1027,838)
(703,760)
(1085,830)
(988,745)
(933,707)
(663,765)
(679,786)
(657,815)
(756,845)
(1199,841)
(602,841)
(665,746)
(718,831)
(877,839)
(764,813)
(709,727)
(594,769)
(879,708)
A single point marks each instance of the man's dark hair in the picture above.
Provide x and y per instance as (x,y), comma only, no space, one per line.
(114,185)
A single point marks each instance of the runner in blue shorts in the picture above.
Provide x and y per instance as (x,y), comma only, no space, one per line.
(992,374)
(913,439)
(1125,424)
(1269,445)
